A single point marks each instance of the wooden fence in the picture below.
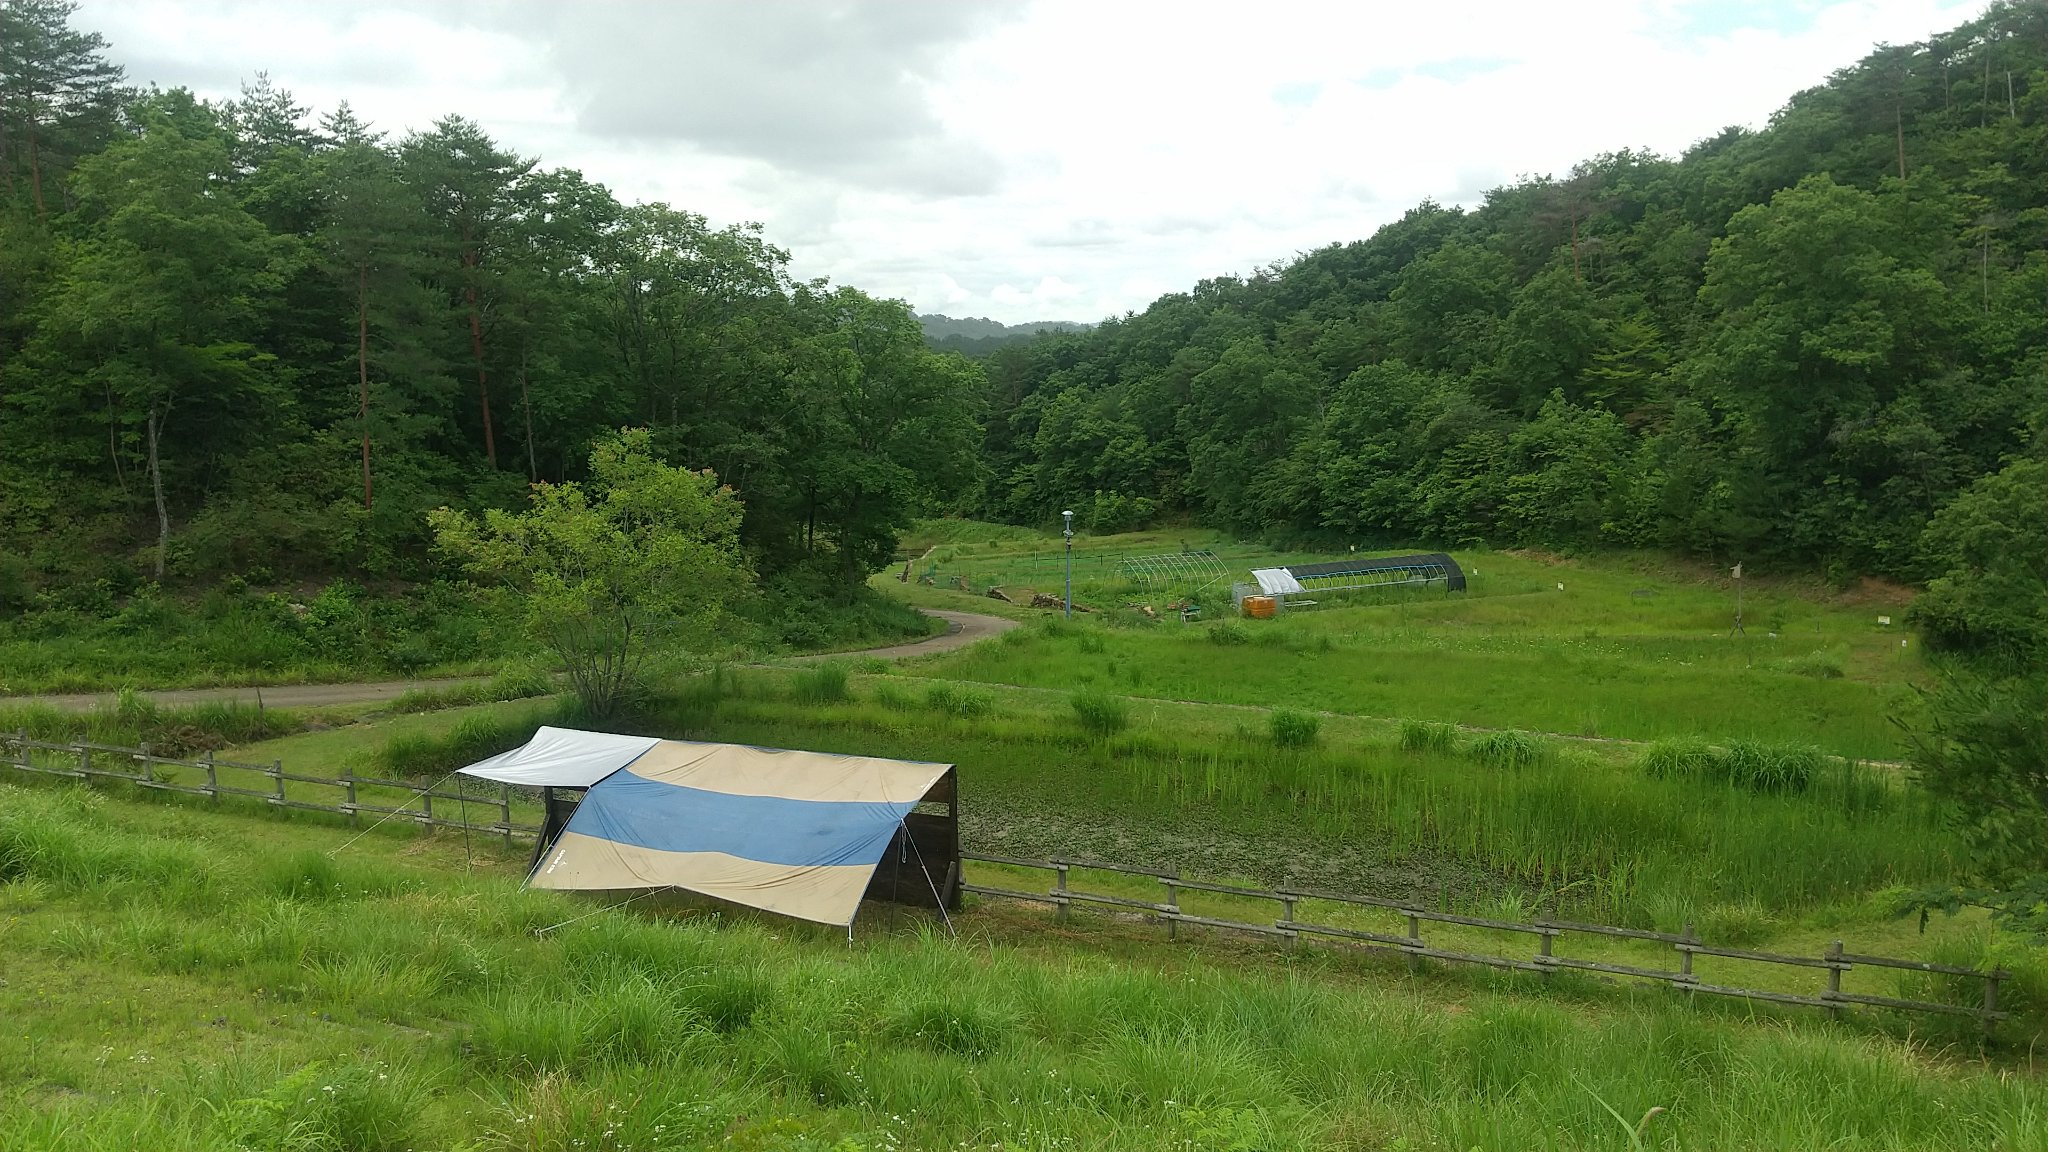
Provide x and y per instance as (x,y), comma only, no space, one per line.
(212,779)
(1062,896)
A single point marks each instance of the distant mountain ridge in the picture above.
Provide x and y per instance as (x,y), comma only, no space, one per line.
(939,327)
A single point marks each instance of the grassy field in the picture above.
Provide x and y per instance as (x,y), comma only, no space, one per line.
(1604,751)
(1611,648)
(254,986)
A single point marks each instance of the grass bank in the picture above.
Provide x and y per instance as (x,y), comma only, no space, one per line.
(250,991)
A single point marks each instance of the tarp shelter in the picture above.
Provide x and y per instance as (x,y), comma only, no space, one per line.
(804,834)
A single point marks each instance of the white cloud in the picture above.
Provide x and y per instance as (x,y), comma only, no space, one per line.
(1056,160)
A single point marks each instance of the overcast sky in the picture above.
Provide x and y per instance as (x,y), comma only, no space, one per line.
(1036,159)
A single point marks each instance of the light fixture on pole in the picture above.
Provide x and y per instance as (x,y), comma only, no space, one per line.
(1068,532)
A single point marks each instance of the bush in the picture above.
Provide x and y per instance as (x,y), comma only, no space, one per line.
(1428,736)
(955,700)
(1291,729)
(1229,634)
(417,756)
(1773,767)
(1745,764)
(1819,665)
(822,684)
(1100,713)
(1510,748)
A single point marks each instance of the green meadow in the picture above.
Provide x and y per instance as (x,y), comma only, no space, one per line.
(1609,648)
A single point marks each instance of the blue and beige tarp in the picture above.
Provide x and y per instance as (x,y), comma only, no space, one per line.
(797,833)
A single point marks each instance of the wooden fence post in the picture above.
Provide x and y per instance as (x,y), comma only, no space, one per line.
(277,770)
(84,762)
(1834,980)
(1173,898)
(1060,889)
(1685,956)
(1543,951)
(426,817)
(349,782)
(1415,934)
(1991,1000)
(505,811)
(1287,912)
(148,769)
(212,779)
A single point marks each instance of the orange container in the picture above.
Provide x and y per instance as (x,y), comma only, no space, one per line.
(1260,607)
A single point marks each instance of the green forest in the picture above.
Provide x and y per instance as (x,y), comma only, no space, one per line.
(250,341)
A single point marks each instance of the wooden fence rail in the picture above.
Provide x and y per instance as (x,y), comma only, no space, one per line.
(84,760)
(140,766)
(1063,895)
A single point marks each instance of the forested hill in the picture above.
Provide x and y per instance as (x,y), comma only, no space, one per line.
(240,338)
(1797,342)
(977,336)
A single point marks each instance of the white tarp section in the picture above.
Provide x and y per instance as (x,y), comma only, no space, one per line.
(1277,581)
(563,758)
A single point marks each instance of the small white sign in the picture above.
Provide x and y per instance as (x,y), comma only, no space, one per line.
(1884,620)
(1560,586)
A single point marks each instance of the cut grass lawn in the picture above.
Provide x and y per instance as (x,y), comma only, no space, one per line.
(249,990)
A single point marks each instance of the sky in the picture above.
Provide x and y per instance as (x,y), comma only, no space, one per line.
(1035,159)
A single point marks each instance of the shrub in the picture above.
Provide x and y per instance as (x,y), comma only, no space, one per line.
(416,756)
(1291,729)
(1773,767)
(1686,758)
(1819,665)
(956,700)
(1428,736)
(1746,764)
(822,684)
(1100,713)
(1510,748)
(1229,634)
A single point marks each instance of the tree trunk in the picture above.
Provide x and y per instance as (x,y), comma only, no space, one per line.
(526,403)
(476,351)
(483,387)
(114,444)
(1899,124)
(35,166)
(156,483)
(363,370)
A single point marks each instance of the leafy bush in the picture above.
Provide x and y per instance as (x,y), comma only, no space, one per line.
(1510,748)
(1428,736)
(1229,634)
(1291,729)
(1100,713)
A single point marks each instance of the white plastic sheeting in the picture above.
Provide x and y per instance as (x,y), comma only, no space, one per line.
(1277,582)
(563,758)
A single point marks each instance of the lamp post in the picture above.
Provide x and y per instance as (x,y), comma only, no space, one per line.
(1068,532)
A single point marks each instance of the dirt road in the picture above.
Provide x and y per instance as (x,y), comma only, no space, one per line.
(962,628)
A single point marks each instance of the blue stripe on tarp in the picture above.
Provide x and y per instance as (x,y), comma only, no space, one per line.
(632,809)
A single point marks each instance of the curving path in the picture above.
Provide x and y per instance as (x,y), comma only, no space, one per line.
(962,629)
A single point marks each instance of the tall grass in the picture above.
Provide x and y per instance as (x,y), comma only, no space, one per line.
(1586,833)
(131,718)
(629,1031)
(1099,713)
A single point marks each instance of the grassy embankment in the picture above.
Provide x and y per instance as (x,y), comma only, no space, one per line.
(186,979)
